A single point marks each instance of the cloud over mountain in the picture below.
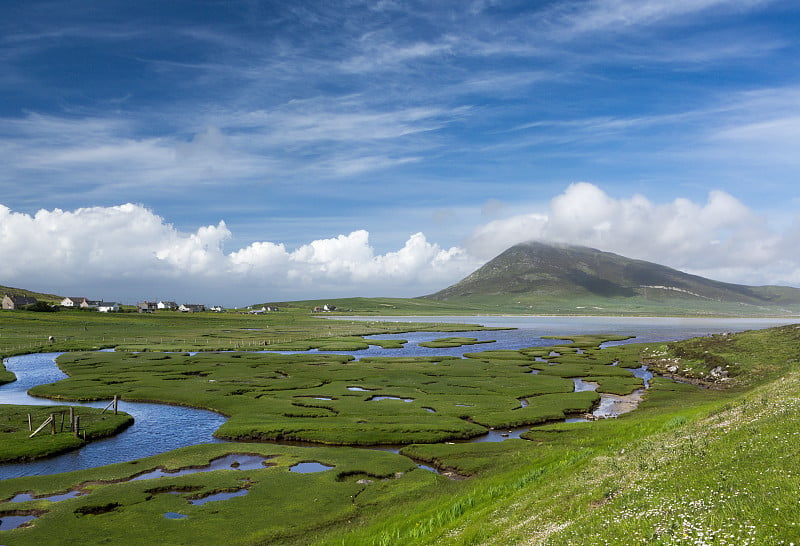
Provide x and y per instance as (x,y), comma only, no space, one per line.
(721,238)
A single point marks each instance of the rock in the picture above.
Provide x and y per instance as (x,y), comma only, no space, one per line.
(719,373)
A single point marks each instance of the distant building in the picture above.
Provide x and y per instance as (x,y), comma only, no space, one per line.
(191,308)
(217,308)
(108,307)
(73,301)
(91,304)
(146,306)
(15,302)
(169,305)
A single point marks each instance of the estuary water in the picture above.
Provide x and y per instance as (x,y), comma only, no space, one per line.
(159,428)
(528,330)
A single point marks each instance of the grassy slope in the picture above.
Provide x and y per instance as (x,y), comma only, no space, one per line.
(49,298)
(692,466)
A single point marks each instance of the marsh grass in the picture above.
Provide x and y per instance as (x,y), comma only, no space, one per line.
(280,505)
(16,446)
(271,396)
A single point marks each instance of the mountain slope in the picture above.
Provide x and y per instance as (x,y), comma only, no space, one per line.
(536,270)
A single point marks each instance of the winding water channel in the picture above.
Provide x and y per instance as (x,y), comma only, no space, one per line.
(147,436)
(190,426)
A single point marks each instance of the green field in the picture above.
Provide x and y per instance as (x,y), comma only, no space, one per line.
(710,460)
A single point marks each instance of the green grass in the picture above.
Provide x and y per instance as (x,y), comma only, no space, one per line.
(16,446)
(720,460)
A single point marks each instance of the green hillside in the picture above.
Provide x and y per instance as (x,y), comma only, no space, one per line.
(50,298)
(541,277)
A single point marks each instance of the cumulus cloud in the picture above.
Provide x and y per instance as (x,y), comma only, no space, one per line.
(721,238)
(127,249)
(129,253)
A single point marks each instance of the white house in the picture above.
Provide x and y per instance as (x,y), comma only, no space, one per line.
(191,308)
(73,301)
(90,304)
(108,307)
(171,305)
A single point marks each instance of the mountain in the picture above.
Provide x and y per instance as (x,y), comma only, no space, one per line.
(534,273)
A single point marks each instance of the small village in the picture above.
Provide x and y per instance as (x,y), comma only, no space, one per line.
(15,302)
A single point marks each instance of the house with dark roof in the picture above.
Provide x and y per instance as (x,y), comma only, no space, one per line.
(15,302)
(146,306)
(191,308)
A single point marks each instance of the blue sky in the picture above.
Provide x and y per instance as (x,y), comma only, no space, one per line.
(390,147)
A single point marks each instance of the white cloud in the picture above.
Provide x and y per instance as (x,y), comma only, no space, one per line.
(722,238)
(133,254)
(129,253)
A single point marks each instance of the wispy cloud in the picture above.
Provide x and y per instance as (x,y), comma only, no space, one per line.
(572,19)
